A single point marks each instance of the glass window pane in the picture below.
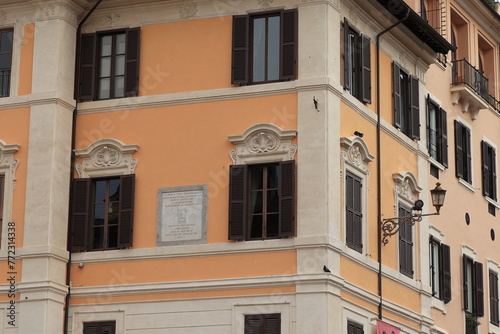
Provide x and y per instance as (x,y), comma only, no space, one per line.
(100,191)
(256,177)
(120,44)
(106,42)
(272,177)
(113,211)
(119,87)
(5,61)
(97,238)
(105,67)
(119,65)
(272,228)
(273,47)
(99,214)
(6,42)
(256,226)
(104,88)
(255,202)
(259,49)
(273,203)
(114,189)
(113,236)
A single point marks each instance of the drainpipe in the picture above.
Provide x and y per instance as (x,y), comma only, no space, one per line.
(379,169)
(72,163)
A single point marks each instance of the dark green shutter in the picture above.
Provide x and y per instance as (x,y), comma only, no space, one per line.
(396,83)
(287,198)
(239,69)
(237,202)
(289,34)
(366,73)
(80,215)
(86,89)
(126,215)
(132,66)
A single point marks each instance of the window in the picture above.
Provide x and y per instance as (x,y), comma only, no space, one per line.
(405,244)
(262,201)
(5,61)
(264,47)
(494,313)
(440,271)
(263,324)
(109,64)
(353,212)
(406,102)
(101,327)
(463,152)
(354,328)
(357,66)
(437,133)
(473,287)
(489,170)
(102,213)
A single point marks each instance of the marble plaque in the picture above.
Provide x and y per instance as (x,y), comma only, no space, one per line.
(182,215)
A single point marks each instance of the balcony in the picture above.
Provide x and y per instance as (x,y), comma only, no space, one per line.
(470,88)
(435,15)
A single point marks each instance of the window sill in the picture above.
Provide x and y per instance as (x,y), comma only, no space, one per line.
(493,329)
(436,163)
(492,202)
(438,304)
(466,185)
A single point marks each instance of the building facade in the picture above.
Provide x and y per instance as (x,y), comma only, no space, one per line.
(228,166)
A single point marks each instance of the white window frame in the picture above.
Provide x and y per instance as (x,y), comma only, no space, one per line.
(8,167)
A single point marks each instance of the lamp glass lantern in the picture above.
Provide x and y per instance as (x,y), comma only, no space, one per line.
(438,194)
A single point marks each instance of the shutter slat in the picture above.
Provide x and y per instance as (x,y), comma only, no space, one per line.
(467,150)
(443,122)
(485,169)
(366,73)
(349,210)
(446,272)
(132,66)
(347,58)
(415,109)
(272,324)
(239,69)
(126,215)
(87,67)
(465,282)
(237,202)
(458,150)
(287,198)
(479,291)
(397,94)
(494,174)
(289,34)
(80,214)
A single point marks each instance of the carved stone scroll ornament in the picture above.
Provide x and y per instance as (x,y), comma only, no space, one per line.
(355,153)
(406,186)
(8,164)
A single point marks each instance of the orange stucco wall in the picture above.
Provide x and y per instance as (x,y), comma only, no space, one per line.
(26,68)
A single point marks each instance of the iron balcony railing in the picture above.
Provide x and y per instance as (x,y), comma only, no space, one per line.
(435,15)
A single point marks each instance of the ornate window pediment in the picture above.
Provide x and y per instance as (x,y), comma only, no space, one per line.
(106,157)
(406,186)
(263,142)
(355,153)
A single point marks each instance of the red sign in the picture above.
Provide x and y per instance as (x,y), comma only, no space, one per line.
(384,328)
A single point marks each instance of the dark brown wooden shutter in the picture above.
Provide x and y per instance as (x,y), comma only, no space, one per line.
(132,66)
(405,245)
(494,174)
(272,324)
(366,81)
(396,83)
(347,70)
(289,34)
(414,108)
(126,217)
(108,327)
(478,289)
(87,67)
(443,125)
(468,156)
(90,328)
(349,210)
(237,201)
(485,169)
(466,283)
(428,118)
(402,243)
(446,273)
(354,328)
(80,214)
(239,69)
(263,324)
(459,154)
(353,213)
(287,198)
(494,311)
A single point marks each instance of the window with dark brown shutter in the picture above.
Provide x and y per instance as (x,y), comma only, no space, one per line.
(473,290)
(99,327)
(437,133)
(405,244)
(264,47)
(489,170)
(357,63)
(109,65)
(354,327)
(6,42)
(263,324)
(493,285)
(102,213)
(353,212)
(462,152)
(440,271)
(262,201)
(406,102)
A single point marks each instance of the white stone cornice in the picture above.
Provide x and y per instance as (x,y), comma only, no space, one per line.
(66,10)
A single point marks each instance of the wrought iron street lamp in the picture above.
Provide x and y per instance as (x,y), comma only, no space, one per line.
(391,226)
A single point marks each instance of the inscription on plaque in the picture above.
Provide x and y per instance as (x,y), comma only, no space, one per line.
(181,216)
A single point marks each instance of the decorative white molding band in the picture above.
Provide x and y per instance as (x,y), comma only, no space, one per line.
(8,164)
(355,152)
(106,157)
(263,142)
